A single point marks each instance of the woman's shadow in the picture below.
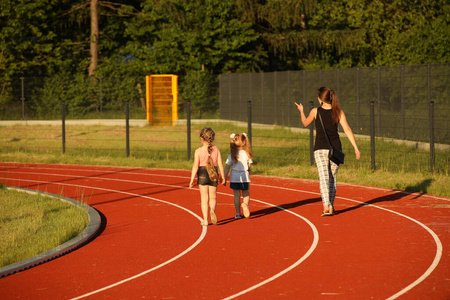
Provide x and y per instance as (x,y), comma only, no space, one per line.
(397,195)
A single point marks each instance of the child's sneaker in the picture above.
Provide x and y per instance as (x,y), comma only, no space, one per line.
(238,216)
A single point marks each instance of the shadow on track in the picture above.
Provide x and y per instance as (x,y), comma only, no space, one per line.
(273,209)
(397,195)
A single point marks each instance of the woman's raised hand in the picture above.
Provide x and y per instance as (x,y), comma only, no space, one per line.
(299,106)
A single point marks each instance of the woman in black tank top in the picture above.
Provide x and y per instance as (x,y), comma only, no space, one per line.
(332,115)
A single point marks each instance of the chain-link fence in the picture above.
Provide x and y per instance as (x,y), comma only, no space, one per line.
(401,94)
(405,102)
(40,98)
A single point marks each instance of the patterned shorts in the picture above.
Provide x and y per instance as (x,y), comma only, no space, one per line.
(203,177)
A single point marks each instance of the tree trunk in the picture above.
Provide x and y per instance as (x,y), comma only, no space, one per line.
(94,37)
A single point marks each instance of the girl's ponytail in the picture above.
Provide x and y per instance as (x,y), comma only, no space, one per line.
(239,141)
(246,145)
(208,135)
(210,164)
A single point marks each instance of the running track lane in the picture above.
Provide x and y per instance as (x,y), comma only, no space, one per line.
(388,248)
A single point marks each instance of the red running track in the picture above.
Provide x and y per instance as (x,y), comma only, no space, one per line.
(381,244)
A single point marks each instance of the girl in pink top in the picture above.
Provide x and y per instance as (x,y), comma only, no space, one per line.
(206,160)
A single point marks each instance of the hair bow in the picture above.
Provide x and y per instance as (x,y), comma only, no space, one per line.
(232,136)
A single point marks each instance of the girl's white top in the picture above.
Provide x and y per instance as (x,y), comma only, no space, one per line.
(239,169)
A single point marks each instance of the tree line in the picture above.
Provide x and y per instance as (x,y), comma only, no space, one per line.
(199,40)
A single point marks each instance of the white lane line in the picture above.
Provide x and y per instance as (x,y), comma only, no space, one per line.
(295,264)
(437,257)
(436,239)
(202,236)
(119,170)
(439,248)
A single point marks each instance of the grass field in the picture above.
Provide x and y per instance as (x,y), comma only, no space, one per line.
(34,223)
(277,151)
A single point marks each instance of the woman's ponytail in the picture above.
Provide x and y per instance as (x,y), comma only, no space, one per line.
(335,107)
(329,96)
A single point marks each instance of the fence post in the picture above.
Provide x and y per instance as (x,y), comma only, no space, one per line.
(188,125)
(402,99)
(127,127)
(432,157)
(63,120)
(23,98)
(289,97)
(358,103)
(431,113)
(274,111)
(311,137)
(379,100)
(262,98)
(249,121)
(372,134)
(101,97)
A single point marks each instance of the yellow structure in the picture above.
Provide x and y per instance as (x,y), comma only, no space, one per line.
(162,99)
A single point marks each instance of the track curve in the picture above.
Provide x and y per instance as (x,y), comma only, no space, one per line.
(380,244)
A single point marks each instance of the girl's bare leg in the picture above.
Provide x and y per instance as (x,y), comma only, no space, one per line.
(204,195)
(212,203)
(246,201)
(237,200)
(212,197)
(246,196)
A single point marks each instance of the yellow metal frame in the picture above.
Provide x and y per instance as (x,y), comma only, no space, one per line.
(152,97)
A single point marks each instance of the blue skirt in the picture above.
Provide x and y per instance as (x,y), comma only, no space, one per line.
(242,186)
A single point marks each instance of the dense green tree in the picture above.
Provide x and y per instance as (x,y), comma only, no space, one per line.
(281,25)
(312,34)
(175,36)
(379,32)
(51,37)
(198,40)
(192,40)
(34,40)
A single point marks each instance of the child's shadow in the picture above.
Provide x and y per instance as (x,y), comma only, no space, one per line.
(272,209)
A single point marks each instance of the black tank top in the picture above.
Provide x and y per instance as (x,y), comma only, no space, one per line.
(330,127)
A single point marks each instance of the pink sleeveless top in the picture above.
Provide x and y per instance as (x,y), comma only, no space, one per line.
(204,156)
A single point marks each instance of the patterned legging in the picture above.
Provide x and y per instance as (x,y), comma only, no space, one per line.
(327,176)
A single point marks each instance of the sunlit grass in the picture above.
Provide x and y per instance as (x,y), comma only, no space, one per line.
(278,151)
(33,223)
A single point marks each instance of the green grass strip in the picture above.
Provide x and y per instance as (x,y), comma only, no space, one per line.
(34,223)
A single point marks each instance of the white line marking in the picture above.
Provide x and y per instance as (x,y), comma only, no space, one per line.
(436,239)
(302,259)
(202,236)
(299,261)
(263,176)
(179,176)
(439,248)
